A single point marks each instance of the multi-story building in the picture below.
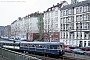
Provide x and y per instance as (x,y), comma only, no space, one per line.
(1,31)
(6,31)
(26,27)
(75,24)
(52,22)
(33,32)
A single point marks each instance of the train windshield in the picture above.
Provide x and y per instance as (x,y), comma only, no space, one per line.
(56,46)
(60,47)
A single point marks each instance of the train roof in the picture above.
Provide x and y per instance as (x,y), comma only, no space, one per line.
(48,43)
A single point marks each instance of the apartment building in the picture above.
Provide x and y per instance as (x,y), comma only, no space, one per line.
(52,22)
(75,24)
(1,31)
(26,27)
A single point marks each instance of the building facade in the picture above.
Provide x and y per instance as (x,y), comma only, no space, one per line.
(75,24)
(1,31)
(52,22)
(26,27)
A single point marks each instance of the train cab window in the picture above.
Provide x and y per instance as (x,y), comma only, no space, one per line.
(60,47)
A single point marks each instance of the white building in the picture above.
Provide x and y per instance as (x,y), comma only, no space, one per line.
(26,27)
(75,24)
(52,22)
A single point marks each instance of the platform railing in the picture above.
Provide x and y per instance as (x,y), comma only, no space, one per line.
(13,55)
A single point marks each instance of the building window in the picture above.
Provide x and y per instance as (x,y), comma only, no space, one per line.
(64,27)
(66,34)
(77,10)
(80,25)
(77,35)
(48,21)
(66,41)
(61,13)
(85,25)
(80,34)
(80,9)
(61,26)
(56,25)
(85,17)
(69,11)
(66,12)
(48,14)
(81,18)
(66,20)
(56,13)
(61,20)
(56,38)
(51,14)
(45,26)
(88,43)
(56,19)
(69,20)
(77,18)
(84,43)
(70,35)
(51,20)
(85,8)
(86,35)
(61,34)
(45,21)
(72,19)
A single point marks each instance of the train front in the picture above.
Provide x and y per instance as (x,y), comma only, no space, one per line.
(61,50)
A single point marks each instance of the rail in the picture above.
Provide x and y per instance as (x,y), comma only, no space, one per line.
(13,55)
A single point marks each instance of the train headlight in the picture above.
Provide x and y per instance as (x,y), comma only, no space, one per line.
(61,50)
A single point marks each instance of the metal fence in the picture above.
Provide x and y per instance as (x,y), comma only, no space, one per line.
(12,55)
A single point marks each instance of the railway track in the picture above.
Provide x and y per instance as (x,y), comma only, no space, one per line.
(67,56)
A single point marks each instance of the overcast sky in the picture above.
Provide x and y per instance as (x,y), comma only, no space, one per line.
(10,10)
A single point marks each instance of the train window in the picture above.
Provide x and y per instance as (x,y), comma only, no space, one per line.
(33,45)
(51,47)
(21,45)
(25,45)
(44,46)
(40,46)
(29,45)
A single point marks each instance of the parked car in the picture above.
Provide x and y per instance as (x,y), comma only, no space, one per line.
(68,50)
(85,48)
(73,47)
(87,52)
(78,51)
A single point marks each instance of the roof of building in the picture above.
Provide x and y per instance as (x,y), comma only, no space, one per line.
(58,5)
(82,3)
